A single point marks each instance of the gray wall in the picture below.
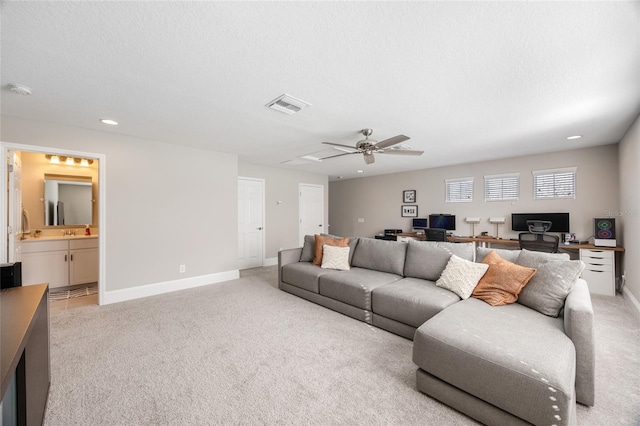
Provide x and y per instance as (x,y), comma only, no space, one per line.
(377,199)
(282,220)
(629,215)
(166,204)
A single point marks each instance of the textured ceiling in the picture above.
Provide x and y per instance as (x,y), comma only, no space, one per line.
(466,81)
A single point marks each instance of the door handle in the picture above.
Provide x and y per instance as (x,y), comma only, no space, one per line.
(260,228)
(320,226)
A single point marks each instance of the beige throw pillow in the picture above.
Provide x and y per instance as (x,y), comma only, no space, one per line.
(461,276)
(335,258)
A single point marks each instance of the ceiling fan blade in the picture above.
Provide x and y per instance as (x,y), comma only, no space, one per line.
(402,152)
(339,155)
(391,141)
(338,144)
(369,158)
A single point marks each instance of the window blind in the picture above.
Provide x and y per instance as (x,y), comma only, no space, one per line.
(459,190)
(557,183)
(502,187)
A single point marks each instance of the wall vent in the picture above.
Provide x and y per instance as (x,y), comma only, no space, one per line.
(287,104)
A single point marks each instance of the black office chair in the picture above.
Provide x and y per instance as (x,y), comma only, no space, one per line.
(537,239)
(436,234)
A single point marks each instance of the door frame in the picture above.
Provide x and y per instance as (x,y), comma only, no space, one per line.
(325,228)
(264,207)
(5,147)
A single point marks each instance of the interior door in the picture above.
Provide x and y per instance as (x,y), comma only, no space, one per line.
(311,211)
(250,223)
(16,225)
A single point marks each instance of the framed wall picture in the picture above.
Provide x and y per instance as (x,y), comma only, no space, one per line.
(409,211)
(409,196)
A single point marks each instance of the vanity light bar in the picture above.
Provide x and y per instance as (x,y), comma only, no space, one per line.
(70,161)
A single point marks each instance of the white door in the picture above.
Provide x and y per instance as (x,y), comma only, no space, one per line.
(250,223)
(311,211)
(18,221)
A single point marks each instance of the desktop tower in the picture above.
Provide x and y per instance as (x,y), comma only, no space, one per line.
(604,233)
(10,275)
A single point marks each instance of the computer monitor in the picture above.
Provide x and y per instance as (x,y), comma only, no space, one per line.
(420,223)
(559,221)
(443,221)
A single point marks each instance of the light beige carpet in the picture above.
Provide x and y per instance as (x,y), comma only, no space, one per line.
(244,352)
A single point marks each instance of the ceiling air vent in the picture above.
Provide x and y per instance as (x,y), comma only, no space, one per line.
(287,104)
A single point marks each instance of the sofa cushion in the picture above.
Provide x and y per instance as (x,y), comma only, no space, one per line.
(308,249)
(549,287)
(427,259)
(461,276)
(335,258)
(411,301)
(321,241)
(502,282)
(354,286)
(506,254)
(509,356)
(380,255)
(303,275)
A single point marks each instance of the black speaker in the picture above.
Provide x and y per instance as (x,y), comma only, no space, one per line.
(10,275)
(604,233)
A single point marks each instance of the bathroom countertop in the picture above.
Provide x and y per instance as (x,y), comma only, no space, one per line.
(58,237)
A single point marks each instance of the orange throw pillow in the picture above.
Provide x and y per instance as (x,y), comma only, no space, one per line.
(503,281)
(321,240)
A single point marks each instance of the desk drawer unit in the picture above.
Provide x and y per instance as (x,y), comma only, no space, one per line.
(599,271)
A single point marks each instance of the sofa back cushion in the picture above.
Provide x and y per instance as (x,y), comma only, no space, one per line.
(506,254)
(427,259)
(380,255)
(552,282)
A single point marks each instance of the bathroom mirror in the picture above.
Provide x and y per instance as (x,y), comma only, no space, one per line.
(68,200)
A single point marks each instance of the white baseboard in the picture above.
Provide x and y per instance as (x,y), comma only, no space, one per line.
(270,261)
(631,301)
(116,296)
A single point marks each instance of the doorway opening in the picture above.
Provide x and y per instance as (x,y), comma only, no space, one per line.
(59,253)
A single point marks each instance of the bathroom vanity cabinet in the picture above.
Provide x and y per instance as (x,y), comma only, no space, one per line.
(60,262)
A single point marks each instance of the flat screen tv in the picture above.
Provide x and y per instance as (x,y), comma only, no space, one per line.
(420,223)
(559,221)
(444,221)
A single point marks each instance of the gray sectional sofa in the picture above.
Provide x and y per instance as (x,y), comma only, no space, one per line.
(506,364)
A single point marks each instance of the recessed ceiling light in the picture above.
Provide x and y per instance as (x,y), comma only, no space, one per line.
(359,171)
(574,137)
(109,122)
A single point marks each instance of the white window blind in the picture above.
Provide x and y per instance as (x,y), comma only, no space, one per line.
(459,190)
(556,183)
(502,187)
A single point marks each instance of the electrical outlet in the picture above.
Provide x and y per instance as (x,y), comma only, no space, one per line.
(183,269)
(361,220)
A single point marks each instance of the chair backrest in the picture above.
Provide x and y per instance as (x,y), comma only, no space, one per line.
(539,242)
(436,234)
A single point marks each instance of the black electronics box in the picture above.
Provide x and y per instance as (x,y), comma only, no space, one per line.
(392,231)
(10,275)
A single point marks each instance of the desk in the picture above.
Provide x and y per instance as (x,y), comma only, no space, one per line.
(487,241)
(24,356)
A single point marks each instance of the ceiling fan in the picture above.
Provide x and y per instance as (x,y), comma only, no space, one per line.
(368,147)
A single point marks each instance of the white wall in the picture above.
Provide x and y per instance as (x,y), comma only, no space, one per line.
(628,217)
(166,204)
(282,220)
(378,199)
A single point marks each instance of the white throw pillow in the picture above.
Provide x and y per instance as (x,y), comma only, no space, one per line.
(461,276)
(334,257)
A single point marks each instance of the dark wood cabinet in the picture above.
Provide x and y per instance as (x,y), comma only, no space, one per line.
(24,351)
